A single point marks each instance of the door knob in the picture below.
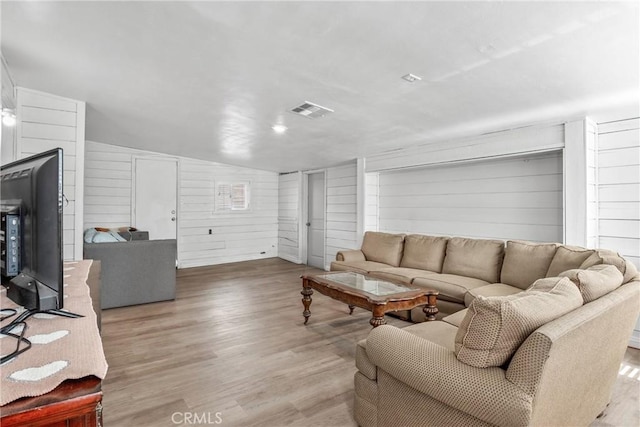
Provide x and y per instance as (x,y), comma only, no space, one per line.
(173,218)
(308,224)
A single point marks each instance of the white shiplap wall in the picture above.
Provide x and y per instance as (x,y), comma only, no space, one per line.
(619,187)
(289,202)
(108,180)
(525,140)
(46,122)
(510,198)
(592,225)
(371,202)
(342,210)
(236,236)
(580,181)
(7,94)
(619,192)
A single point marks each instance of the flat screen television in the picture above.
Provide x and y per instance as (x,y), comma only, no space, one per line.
(31,196)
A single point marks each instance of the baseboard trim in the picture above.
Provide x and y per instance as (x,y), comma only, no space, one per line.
(635,340)
(290,258)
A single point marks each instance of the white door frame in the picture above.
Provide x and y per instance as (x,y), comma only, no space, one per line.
(134,160)
(305,213)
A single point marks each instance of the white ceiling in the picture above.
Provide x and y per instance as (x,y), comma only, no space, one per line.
(208,79)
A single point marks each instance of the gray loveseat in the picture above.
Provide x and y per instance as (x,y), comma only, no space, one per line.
(135,272)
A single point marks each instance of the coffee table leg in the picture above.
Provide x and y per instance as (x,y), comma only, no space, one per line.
(306,299)
(351,307)
(431,310)
(378,316)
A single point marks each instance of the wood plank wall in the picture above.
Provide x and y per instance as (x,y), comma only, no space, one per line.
(524,140)
(342,206)
(46,122)
(7,94)
(592,224)
(289,193)
(510,198)
(619,192)
(236,236)
(371,202)
(619,187)
(341,213)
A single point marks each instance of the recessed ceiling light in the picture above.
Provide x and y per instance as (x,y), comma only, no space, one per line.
(411,77)
(279,128)
(8,117)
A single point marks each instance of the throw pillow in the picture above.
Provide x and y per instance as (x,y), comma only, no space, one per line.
(595,281)
(494,327)
(603,256)
(89,234)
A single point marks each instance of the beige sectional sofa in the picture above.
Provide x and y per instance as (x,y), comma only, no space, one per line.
(540,341)
(460,268)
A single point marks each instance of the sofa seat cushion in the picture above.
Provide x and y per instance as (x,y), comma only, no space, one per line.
(494,327)
(424,252)
(445,308)
(491,290)
(437,332)
(477,258)
(451,286)
(362,267)
(400,274)
(383,247)
(603,256)
(567,258)
(595,281)
(526,262)
(456,318)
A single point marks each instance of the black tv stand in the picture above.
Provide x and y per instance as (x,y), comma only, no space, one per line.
(28,313)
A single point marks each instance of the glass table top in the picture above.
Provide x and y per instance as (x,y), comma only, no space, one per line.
(367,284)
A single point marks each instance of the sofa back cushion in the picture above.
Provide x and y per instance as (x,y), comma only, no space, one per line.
(567,258)
(494,327)
(526,262)
(603,256)
(424,252)
(383,247)
(595,281)
(476,258)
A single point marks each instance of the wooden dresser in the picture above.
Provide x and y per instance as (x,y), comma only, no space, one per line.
(75,402)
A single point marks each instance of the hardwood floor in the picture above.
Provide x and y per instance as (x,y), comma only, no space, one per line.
(232,350)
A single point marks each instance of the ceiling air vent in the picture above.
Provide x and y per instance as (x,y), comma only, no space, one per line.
(311,110)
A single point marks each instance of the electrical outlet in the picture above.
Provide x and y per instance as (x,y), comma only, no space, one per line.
(210,231)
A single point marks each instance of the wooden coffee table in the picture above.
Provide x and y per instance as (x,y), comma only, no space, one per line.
(375,295)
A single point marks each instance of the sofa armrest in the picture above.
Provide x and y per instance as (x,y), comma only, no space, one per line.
(435,371)
(350,255)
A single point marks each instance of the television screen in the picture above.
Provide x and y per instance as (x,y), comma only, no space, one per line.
(31,206)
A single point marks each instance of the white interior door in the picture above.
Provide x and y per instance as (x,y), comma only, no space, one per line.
(315,221)
(155,195)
